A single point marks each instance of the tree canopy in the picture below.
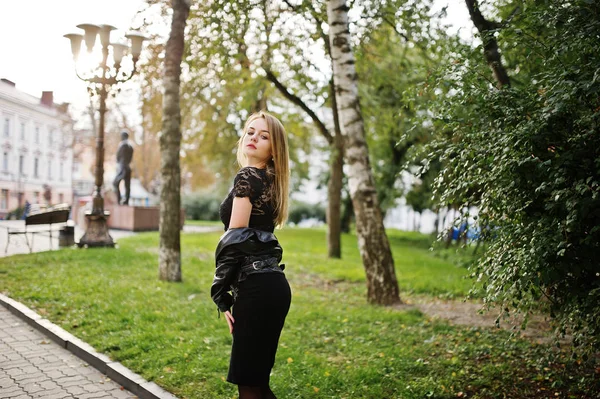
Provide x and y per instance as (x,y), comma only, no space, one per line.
(527,156)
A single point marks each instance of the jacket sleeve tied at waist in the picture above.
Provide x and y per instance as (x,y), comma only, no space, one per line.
(237,248)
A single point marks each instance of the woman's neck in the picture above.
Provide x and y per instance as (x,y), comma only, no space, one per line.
(258,165)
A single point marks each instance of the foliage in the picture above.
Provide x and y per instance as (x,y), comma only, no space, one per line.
(146,161)
(222,83)
(225,83)
(16,213)
(528,156)
(399,43)
(300,211)
(334,345)
(202,205)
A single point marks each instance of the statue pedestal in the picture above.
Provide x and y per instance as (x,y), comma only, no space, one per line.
(96,233)
(136,218)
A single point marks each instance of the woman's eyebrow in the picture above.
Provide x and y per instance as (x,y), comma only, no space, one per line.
(264,131)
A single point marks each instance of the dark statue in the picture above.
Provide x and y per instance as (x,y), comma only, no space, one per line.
(124,156)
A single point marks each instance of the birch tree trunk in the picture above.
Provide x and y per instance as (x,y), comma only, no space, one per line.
(382,286)
(169,256)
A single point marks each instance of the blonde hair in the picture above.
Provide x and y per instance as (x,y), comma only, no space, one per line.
(278,166)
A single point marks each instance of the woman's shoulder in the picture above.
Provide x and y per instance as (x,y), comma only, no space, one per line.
(249,182)
(250,173)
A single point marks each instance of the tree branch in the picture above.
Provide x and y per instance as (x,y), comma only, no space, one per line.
(406,38)
(393,26)
(290,5)
(510,17)
(490,45)
(318,22)
(298,101)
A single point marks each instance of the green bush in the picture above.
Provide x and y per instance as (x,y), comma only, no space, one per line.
(15,214)
(201,206)
(528,156)
(300,211)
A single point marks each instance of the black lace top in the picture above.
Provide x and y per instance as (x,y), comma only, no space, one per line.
(255,184)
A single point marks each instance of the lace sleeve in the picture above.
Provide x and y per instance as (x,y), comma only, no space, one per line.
(248,183)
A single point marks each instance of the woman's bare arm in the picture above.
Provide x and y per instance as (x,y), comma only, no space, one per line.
(240,212)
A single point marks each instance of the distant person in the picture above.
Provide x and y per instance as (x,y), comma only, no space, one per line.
(248,256)
(124,156)
(26,210)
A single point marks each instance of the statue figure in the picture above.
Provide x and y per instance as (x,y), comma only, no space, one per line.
(124,156)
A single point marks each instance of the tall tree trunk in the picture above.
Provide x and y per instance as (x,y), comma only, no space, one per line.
(334,186)
(347,214)
(374,246)
(490,45)
(414,215)
(169,256)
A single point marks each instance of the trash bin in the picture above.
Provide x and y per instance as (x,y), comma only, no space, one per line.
(66,236)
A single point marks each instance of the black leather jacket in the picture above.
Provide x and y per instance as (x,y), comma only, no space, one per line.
(237,248)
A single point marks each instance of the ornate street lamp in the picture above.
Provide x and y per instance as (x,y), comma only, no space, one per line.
(100,80)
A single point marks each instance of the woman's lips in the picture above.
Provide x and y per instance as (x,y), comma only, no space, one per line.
(251,146)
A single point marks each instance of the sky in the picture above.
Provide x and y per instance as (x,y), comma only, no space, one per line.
(35,55)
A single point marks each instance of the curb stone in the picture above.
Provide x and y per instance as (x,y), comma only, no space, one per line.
(120,374)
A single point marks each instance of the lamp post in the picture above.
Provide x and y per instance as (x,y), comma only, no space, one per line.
(100,80)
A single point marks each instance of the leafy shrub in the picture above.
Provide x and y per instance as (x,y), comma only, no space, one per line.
(300,211)
(202,206)
(15,213)
(528,156)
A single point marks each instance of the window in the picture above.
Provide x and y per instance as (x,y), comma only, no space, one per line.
(22,130)
(62,177)
(36,167)
(61,198)
(37,134)
(4,199)
(6,127)
(49,170)
(36,197)
(50,134)
(21,164)
(5,162)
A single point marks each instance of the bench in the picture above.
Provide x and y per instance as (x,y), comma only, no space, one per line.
(49,217)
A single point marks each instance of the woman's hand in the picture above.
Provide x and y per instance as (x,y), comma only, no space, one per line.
(230,320)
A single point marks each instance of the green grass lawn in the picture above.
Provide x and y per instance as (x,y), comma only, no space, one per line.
(208,223)
(334,344)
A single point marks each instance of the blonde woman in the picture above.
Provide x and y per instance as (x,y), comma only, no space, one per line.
(248,255)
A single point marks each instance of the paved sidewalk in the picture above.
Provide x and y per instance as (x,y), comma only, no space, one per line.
(188,228)
(18,245)
(34,366)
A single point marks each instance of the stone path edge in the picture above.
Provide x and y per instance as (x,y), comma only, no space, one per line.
(131,381)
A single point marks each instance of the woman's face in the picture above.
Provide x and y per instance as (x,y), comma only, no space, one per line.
(257,143)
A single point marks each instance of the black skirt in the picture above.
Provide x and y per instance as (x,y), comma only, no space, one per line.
(259,312)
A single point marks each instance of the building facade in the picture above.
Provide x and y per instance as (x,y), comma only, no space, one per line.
(35,150)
